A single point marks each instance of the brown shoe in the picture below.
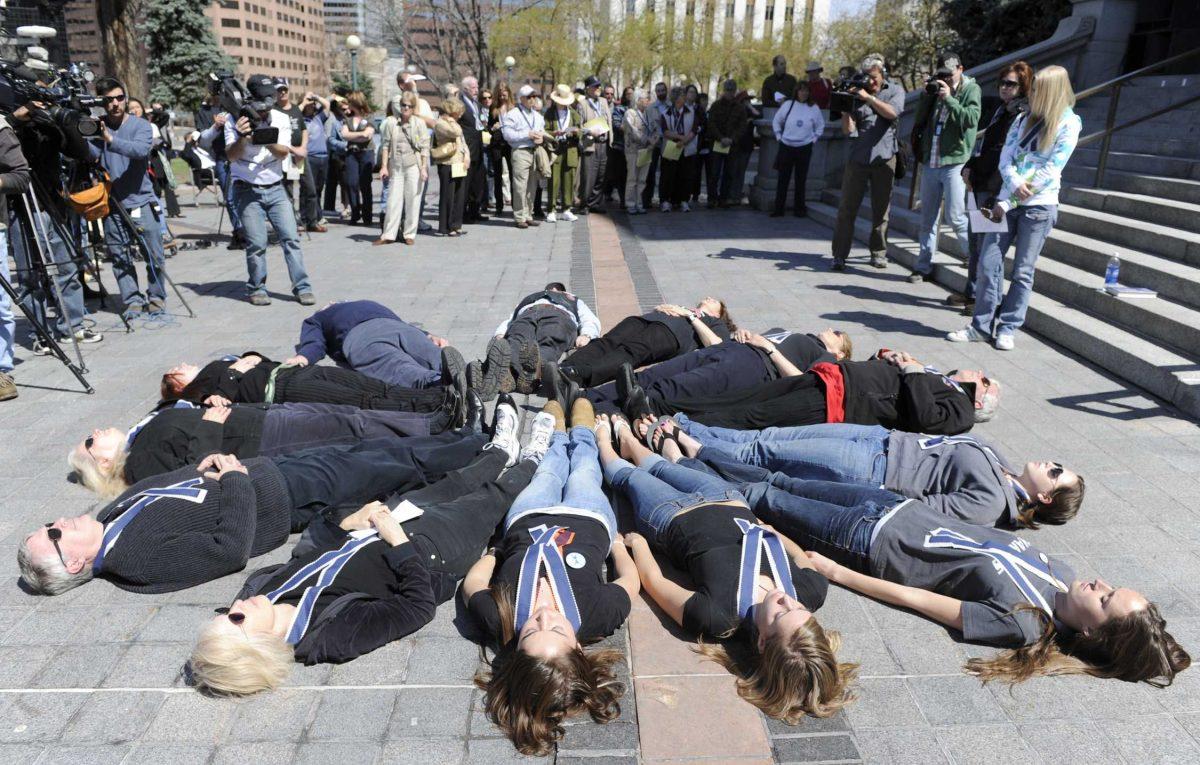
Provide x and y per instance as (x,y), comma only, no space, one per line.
(534,223)
(560,419)
(410,241)
(318,228)
(8,388)
(956,299)
(582,413)
(522,224)
(381,241)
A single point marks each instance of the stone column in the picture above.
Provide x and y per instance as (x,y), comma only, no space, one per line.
(762,191)
(1101,60)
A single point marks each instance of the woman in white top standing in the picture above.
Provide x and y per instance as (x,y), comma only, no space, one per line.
(678,127)
(798,124)
(1038,146)
(405,158)
(641,134)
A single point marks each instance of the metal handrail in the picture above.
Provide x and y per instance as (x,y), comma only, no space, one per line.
(1088,92)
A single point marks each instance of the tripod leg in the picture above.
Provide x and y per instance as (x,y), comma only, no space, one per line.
(139,239)
(47,338)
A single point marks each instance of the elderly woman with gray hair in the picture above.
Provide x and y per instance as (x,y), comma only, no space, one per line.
(641,135)
(404,157)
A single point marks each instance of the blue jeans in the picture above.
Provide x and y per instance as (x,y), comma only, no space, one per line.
(67,278)
(7,324)
(225,181)
(1028,227)
(568,482)
(832,452)
(256,205)
(938,183)
(661,490)
(121,249)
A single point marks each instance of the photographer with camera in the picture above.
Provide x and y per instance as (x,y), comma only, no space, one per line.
(123,150)
(871,124)
(256,149)
(160,116)
(210,122)
(943,138)
(14,179)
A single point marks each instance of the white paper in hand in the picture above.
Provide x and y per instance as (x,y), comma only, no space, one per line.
(402,511)
(981,224)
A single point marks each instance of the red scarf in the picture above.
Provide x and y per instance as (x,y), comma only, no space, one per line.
(835,390)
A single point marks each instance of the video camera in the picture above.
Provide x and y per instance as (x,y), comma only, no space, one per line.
(843,99)
(254,101)
(65,107)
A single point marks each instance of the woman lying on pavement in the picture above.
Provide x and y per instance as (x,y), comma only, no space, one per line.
(542,593)
(109,460)
(749,361)
(986,583)
(353,586)
(963,476)
(204,522)
(785,661)
(255,379)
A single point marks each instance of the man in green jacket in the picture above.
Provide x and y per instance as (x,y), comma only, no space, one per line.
(943,139)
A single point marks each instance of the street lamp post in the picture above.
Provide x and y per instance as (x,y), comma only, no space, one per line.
(510,63)
(353,43)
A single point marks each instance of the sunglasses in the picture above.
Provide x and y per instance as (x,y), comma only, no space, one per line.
(1055,471)
(1009,84)
(87,444)
(237,617)
(55,535)
(405,106)
(110,99)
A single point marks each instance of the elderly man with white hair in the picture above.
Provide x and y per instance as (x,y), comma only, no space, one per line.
(524,129)
(473,122)
(641,136)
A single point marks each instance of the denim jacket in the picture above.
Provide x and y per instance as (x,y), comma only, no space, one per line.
(337,145)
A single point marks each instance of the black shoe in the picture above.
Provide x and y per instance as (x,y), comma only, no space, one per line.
(637,404)
(776,214)
(839,264)
(477,383)
(496,366)
(453,409)
(625,381)
(473,420)
(454,370)
(527,367)
(554,385)
(236,243)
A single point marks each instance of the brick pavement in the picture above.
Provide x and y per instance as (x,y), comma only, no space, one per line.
(93,676)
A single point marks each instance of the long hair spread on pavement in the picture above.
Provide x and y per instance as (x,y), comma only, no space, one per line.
(228,661)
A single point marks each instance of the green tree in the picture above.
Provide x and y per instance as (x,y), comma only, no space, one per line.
(181,51)
(341,86)
(988,29)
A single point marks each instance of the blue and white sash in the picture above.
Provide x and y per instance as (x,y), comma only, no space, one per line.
(755,540)
(136,429)
(933,442)
(185,490)
(544,551)
(1016,560)
(946,378)
(326,568)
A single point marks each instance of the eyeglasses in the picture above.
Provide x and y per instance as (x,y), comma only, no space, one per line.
(55,535)
(118,99)
(1009,84)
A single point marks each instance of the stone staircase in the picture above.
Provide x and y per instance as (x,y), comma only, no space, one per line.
(1147,212)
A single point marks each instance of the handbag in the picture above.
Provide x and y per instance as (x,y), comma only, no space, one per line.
(443,151)
(901,162)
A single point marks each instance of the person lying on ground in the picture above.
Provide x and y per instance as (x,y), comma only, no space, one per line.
(894,391)
(785,662)
(543,327)
(541,595)
(369,337)
(190,526)
(963,476)
(664,333)
(110,460)
(353,586)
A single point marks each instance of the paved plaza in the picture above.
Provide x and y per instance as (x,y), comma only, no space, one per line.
(94,676)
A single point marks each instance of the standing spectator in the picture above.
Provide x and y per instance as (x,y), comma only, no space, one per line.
(1035,152)
(565,126)
(296,163)
(798,124)
(14,179)
(820,88)
(982,172)
(524,129)
(161,117)
(335,181)
(258,194)
(123,150)
(872,127)
(407,83)
(316,164)
(597,137)
(943,139)
(473,120)
(779,85)
(210,121)
(698,103)
(615,174)
(540,181)
(678,128)
(405,159)
(654,114)
(501,153)
(160,176)
(745,147)
(453,160)
(360,157)
(726,122)
(485,103)
(641,135)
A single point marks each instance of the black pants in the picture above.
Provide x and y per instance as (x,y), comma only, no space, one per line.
(293,427)
(332,385)
(335,182)
(651,173)
(614,179)
(359,167)
(547,327)
(780,403)
(311,184)
(723,368)
(476,187)
(675,186)
(591,187)
(452,198)
(634,340)
(792,159)
(348,477)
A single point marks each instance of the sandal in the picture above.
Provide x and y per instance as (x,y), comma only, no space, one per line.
(617,421)
(650,431)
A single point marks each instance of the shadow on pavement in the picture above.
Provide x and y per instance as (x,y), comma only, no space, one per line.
(1109,405)
(786,261)
(881,322)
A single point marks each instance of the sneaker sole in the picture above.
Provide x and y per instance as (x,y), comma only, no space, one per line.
(478,382)
(495,367)
(454,370)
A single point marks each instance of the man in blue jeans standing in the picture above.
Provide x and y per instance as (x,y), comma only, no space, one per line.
(14,179)
(258,194)
(123,149)
(944,137)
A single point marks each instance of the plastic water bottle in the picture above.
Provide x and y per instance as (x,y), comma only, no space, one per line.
(1113,272)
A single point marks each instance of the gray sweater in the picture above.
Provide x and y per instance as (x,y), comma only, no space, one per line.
(14,171)
(962,476)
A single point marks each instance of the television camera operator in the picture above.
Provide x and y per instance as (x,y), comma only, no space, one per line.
(14,179)
(210,123)
(45,143)
(870,105)
(160,116)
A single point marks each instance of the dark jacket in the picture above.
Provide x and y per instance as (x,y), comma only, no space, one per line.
(322,333)
(471,131)
(681,328)
(14,171)
(174,438)
(219,378)
(177,543)
(878,393)
(985,165)
(773,84)
(727,118)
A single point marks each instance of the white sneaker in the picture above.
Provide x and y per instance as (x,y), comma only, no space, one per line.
(666,207)
(505,435)
(569,216)
(967,334)
(552,218)
(1004,342)
(539,437)
(685,207)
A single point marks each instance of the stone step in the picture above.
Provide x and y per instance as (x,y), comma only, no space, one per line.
(1150,208)
(1134,162)
(1167,241)
(1154,143)
(1178,189)
(1128,355)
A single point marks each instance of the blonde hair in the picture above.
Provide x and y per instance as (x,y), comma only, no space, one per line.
(794,677)
(227,661)
(358,102)
(109,482)
(1051,98)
